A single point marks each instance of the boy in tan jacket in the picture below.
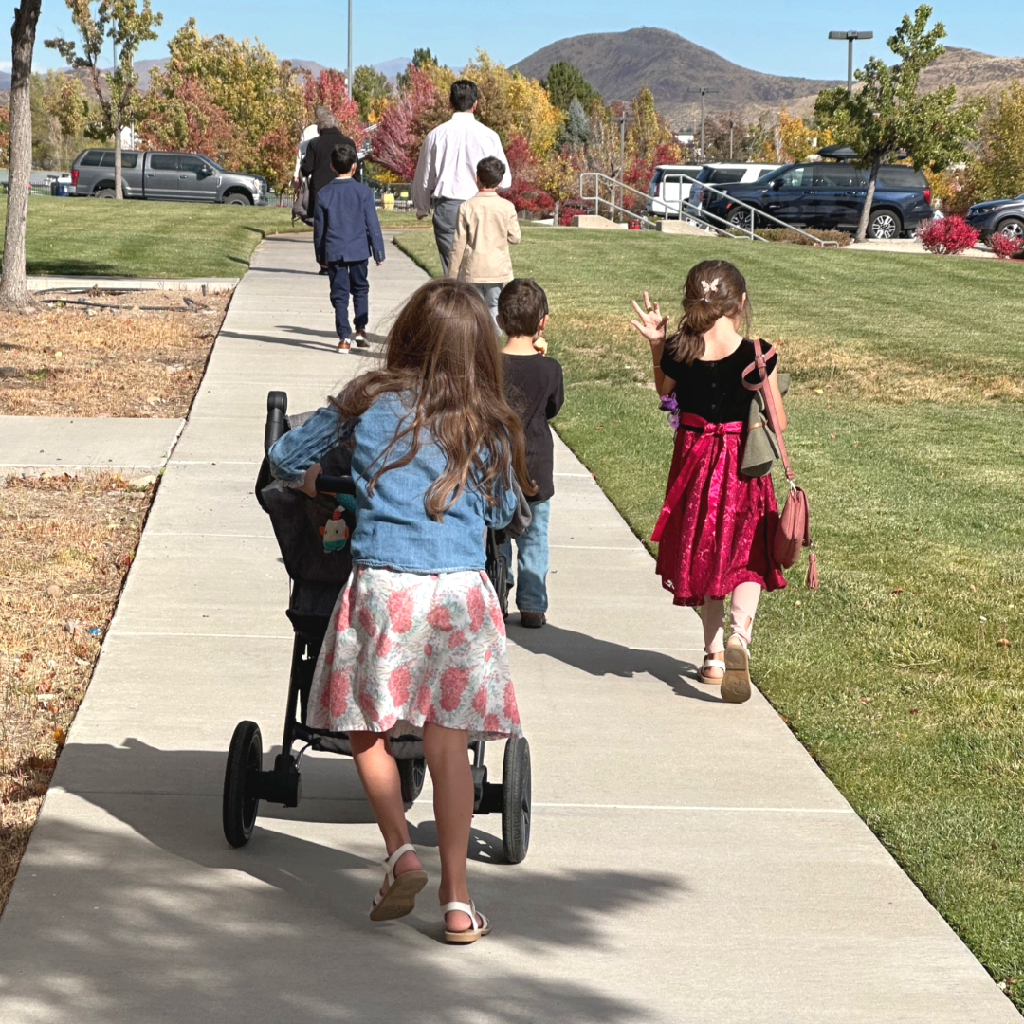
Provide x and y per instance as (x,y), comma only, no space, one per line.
(487,225)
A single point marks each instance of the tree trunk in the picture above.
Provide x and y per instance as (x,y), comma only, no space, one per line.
(14,280)
(865,214)
(117,161)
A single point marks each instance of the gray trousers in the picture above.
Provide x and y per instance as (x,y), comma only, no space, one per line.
(446,214)
(490,293)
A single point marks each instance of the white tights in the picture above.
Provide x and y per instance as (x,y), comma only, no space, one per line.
(742,609)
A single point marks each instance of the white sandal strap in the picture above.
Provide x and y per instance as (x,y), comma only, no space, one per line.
(390,862)
(470,909)
(714,663)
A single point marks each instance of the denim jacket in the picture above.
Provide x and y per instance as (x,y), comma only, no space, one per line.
(393,530)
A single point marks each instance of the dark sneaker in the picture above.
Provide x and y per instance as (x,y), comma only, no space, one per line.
(532,620)
(360,340)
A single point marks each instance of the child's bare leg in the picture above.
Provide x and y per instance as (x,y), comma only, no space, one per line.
(445,751)
(379,775)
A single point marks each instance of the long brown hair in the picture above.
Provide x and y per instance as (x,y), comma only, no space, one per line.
(443,350)
(713,289)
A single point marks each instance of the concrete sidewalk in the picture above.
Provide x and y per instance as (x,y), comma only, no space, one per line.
(688,861)
(33,444)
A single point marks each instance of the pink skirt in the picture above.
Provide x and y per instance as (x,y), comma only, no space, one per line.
(717,527)
(404,649)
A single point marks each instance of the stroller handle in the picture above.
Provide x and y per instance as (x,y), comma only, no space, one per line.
(277,406)
(335,484)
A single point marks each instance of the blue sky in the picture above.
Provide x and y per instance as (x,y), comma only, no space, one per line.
(780,38)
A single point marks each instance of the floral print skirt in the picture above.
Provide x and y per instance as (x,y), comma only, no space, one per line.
(404,649)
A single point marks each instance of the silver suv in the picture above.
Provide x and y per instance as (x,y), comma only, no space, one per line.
(181,177)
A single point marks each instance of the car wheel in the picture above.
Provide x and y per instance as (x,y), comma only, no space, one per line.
(740,219)
(1012,227)
(105,193)
(237,199)
(884,224)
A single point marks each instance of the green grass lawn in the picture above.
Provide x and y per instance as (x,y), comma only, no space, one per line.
(903,674)
(144,239)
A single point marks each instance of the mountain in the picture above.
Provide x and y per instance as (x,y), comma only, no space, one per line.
(618,63)
(5,80)
(972,73)
(393,67)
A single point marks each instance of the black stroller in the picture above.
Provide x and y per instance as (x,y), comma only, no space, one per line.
(317,576)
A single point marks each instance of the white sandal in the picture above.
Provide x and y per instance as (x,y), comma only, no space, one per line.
(710,662)
(473,932)
(736,679)
(399,897)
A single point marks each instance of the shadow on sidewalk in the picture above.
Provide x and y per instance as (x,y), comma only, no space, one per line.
(153,935)
(603,658)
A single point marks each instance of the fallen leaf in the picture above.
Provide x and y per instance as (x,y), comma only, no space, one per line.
(898,590)
(1002,642)
(59,736)
(913,711)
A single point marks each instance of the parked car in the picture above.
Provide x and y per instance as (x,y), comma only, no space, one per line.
(830,195)
(998,216)
(670,184)
(181,177)
(726,174)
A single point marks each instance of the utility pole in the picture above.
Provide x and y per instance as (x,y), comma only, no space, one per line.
(850,37)
(704,91)
(349,49)
(624,118)
(732,124)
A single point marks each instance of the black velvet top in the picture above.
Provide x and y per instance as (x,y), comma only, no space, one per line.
(713,389)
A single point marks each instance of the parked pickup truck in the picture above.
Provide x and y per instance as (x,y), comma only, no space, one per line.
(184,177)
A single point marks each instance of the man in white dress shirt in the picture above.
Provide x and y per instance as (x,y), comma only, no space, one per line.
(446,170)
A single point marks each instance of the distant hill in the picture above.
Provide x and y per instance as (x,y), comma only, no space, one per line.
(393,67)
(618,63)
(5,80)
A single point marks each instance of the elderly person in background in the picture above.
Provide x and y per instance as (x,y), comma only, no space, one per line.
(446,170)
(317,161)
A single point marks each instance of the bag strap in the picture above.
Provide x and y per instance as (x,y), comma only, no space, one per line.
(759,365)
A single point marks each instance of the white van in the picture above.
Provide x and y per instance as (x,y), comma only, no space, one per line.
(670,184)
(726,174)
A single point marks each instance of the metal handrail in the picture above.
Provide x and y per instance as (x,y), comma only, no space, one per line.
(729,229)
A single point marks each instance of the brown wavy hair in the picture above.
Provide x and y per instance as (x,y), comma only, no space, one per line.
(713,289)
(443,350)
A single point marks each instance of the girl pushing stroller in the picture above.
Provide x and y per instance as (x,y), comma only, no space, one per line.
(416,642)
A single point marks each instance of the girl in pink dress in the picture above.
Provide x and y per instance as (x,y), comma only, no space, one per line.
(717,527)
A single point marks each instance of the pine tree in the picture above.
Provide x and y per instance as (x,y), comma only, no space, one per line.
(576,132)
(565,83)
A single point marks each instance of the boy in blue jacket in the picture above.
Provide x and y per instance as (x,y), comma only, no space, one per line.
(345,234)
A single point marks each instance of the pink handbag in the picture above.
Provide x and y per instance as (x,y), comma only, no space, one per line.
(794,532)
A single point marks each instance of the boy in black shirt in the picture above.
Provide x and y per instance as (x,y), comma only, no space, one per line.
(533,387)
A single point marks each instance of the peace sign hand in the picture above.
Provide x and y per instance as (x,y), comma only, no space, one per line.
(651,324)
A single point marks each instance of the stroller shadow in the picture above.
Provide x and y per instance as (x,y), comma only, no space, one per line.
(602,658)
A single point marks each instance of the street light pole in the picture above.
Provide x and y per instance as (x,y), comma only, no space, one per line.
(623,119)
(850,37)
(350,49)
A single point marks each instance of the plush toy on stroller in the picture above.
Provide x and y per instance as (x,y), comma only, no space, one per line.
(313,535)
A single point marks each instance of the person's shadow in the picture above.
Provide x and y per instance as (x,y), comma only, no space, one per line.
(602,658)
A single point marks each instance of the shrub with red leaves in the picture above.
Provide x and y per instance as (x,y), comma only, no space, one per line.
(1005,247)
(572,208)
(947,236)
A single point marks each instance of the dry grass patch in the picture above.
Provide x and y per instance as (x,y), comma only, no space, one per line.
(76,360)
(65,546)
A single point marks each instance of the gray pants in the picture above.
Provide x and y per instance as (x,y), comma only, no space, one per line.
(446,214)
(489,293)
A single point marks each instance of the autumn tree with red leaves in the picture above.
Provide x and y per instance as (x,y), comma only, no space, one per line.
(329,90)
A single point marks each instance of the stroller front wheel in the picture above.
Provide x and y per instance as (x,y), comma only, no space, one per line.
(241,799)
(412,771)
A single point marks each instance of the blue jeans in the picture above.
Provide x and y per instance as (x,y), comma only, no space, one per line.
(349,279)
(532,592)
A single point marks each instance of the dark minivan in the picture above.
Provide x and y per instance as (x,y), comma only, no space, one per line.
(829,196)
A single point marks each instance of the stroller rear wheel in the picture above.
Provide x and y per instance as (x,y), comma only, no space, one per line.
(515,813)
(241,799)
(412,771)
